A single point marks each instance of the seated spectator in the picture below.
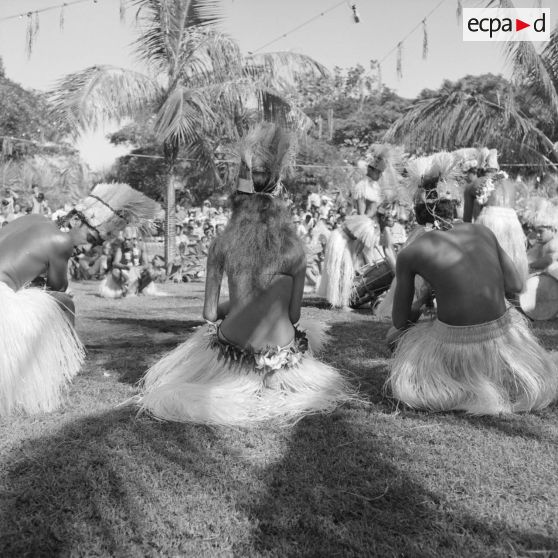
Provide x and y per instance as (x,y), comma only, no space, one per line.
(180,236)
(6,211)
(301,230)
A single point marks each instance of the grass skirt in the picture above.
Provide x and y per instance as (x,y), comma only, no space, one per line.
(485,369)
(505,225)
(111,288)
(195,383)
(39,351)
(368,190)
(338,269)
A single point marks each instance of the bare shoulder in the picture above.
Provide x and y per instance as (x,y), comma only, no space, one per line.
(552,246)
(60,242)
(295,257)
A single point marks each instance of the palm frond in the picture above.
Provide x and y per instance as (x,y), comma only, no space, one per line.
(282,68)
(183,117)
(165,27)
(100,93)
(530,67)
(457,119)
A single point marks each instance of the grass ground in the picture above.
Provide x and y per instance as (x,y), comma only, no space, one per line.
(370,479)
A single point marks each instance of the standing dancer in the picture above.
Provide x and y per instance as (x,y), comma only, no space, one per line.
(256,364)
(495,196)
(357,243)
(479,355)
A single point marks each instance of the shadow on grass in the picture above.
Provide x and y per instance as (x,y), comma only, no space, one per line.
(526,426)
(359,349)
(310,301)
(162,326)
(107,485)
(338,492)
(112,485)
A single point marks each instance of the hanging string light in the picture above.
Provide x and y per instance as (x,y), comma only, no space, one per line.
(399,64)
(459,11)
(424,40)
(122,11)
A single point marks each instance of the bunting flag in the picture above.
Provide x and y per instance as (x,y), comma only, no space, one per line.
(424,40)
(31,33)
(459,11)
(61,18)
(399,66)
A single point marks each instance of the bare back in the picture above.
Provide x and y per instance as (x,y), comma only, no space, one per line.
(259,317)
(31,245)
(467,269)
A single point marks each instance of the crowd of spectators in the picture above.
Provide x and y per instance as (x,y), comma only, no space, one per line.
(320,214)
(12,206)
(314,218)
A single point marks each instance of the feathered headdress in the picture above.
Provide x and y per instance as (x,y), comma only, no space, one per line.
(433,178)
(480,158)
(112,207)
(540,211)
(467,158)
(268,147)
(389,160)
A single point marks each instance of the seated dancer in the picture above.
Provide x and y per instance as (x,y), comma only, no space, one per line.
(435,171)
(479,355)
(490,200)
(543,255)
(356,243)
(40,350)
(257,364)
(129,274)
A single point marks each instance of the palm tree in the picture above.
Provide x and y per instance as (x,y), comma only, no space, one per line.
(456,118)
(200,86)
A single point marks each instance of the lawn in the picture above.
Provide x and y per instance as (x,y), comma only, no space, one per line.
(371,479)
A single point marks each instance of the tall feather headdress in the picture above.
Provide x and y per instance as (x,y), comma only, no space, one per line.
(389,159)
(111,207)
(269,147)
(433,177)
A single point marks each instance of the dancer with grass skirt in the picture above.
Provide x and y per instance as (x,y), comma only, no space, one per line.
(253,362)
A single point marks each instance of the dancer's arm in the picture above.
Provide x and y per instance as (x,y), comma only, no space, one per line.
(513,282)
(57,274)
(468,205)
(214,276)
(117,259)
(404,314)
(299,276)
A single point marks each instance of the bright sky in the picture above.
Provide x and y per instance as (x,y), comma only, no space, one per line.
(93,34)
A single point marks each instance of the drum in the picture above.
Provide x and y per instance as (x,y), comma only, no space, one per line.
(540,299)
(372,281)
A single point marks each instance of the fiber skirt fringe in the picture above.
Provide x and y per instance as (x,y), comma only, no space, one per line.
(338,270)
(111,288)
(505,225)
(486,369)
(39,351)
(195,384)
(365,189)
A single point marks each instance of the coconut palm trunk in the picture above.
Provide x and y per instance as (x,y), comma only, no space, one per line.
(170,215)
